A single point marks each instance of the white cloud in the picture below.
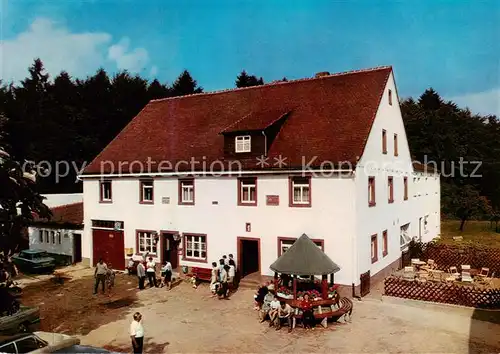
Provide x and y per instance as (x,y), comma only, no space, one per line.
(80,54)
(486,102)
(133,61)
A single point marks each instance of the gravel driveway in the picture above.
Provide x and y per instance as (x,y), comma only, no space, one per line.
(189,320)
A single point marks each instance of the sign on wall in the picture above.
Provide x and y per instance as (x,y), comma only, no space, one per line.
(272,200)
(165,200)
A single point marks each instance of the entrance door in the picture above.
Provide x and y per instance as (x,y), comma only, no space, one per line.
(77,248)
(365,283)
(248,255)
(109,245)
(170,250)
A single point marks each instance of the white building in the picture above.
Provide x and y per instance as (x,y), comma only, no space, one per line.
(249,170)
(61,236)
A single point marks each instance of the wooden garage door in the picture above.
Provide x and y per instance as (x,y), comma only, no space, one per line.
(109,245)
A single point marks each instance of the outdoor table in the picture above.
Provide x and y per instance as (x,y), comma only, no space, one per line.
(419,264)
(435,273)
(473,272)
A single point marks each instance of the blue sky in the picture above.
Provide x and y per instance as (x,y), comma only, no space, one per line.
(453,46)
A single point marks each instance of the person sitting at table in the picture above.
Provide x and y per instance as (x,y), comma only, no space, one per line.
(273,312)
(285,313)
(307,312)
(266,306)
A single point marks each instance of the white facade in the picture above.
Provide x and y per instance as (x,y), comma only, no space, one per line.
(225,221)
(53,240)
(339,215)
(385,216)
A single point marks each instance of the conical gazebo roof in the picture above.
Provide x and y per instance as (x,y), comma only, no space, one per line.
(304,258)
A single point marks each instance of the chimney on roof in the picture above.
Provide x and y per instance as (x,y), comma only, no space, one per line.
(321,74)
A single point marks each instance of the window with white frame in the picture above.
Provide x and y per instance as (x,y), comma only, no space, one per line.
(300,190)
(186,191)
(47,237)
(59,238)
(196,247)
(40,235)
(105,191)
(404,235)
(147,191)
(147,242)
(53,237)
(242,143)
(285,244)
(248,189)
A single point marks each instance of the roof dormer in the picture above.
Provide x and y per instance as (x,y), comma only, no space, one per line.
(253,134)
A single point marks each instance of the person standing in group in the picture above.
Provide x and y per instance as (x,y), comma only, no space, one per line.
(215,272)
(151,272)
(224,278)
(167,275)
(231,273)
(141,274)
(226,261)
(221,268)
(137,333)
(231,258)
(110,278)
(101,269)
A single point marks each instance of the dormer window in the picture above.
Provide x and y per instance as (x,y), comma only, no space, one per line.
(242,143)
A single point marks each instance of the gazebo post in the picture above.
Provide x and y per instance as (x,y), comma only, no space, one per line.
(276,280)
(332,281)
(324,286)
(294,287)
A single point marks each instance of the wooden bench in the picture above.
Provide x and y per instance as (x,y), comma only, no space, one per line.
(345,307)
(204,274)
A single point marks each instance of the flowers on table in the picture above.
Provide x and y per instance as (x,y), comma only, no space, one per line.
(284,292)
(332,291)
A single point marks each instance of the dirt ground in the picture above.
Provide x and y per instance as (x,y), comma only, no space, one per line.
(190,320)
(71,308)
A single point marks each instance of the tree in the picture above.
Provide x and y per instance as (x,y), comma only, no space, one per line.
(245,80)
(465,202)
(19,200)
(157,90)
(185,85)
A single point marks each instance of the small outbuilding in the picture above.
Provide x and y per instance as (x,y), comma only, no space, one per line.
(61,235)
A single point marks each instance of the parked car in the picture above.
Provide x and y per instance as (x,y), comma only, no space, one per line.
(37,343)
(21,343)
(34,261)
(24,320)
(83,349)
(56,342)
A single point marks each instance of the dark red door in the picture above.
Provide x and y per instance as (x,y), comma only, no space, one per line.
(109,245)
(170,250)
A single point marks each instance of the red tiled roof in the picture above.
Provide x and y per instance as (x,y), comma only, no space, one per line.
(66,214)
(420,167)
(330,119)
(256,121)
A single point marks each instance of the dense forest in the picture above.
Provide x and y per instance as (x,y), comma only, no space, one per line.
(66,119)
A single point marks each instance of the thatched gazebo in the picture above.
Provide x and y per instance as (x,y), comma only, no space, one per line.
(305,258)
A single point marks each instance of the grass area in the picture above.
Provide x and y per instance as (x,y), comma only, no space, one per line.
(475,232)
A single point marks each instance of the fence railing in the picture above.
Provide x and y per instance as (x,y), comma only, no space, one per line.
(446,256)
(443,293)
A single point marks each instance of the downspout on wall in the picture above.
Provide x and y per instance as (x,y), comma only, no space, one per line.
(265,143)
(354,246)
